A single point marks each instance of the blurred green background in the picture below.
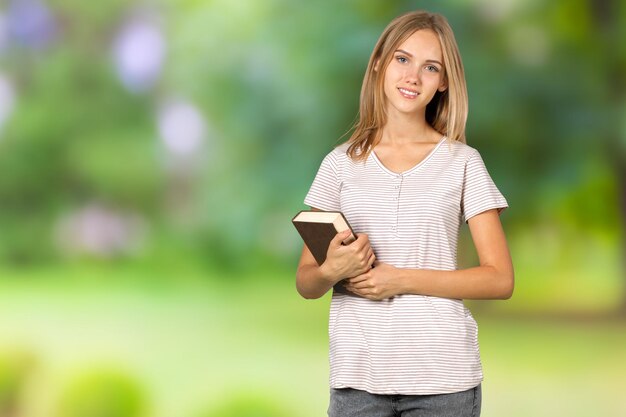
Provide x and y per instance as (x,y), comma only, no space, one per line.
(152,154)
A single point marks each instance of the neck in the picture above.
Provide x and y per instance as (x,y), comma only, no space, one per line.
(403,129)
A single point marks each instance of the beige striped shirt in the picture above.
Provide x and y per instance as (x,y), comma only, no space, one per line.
(409,344)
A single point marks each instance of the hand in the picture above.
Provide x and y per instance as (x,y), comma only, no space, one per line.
(378,283)
(348,260)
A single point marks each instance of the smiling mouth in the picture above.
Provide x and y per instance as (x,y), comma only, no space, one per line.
(408,93)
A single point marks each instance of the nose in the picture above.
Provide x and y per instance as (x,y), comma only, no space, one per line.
(413,76)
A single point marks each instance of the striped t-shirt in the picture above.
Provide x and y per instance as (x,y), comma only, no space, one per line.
(409,344)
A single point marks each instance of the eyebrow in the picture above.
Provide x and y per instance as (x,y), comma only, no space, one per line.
(411,55)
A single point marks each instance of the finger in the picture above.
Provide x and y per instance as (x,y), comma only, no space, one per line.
(362,241)
(356,279)
(365,251)
(363,293)
(339,238)
(363,255)
(350,239)
(354,290)
(359,285)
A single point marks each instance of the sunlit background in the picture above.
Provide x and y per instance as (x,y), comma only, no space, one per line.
(153,153)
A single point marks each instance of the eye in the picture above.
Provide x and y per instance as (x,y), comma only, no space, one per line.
(432,68)
(402,59)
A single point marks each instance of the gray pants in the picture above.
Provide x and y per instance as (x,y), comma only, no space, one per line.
(348,402)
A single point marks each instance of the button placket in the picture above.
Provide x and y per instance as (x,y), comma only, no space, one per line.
(396,198)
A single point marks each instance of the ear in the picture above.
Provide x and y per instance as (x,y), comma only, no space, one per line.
(443,87)
(376,65)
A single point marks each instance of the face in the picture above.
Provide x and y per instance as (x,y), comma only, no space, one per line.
(414,74)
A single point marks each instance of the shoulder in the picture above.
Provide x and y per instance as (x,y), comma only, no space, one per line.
(334,161)
(459,150)
(339,155)
(338,152)
(341,150)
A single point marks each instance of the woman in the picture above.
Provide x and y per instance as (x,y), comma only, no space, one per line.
(405,345)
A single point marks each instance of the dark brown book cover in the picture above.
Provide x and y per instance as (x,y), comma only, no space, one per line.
(317,236)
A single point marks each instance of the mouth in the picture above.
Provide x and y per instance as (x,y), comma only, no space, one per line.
(408,93)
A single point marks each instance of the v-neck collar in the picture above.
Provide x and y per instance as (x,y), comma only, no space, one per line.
(413,168)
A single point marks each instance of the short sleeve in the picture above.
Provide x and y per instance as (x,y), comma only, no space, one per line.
(324,192)
(479,191)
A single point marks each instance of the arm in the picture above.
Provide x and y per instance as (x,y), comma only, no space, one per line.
(313,281)
(492,279)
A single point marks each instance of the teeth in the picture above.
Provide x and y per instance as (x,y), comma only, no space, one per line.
(408,92)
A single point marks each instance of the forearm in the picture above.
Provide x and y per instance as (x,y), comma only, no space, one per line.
(312,281)
(493,279)
(479,283)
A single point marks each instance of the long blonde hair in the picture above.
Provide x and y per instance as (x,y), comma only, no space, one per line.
(446,112)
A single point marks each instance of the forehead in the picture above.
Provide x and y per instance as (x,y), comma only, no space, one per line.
(423,43)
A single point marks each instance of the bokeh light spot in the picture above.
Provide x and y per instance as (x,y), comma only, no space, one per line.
(7,100)
(182,127)
(30,23)
(139,52)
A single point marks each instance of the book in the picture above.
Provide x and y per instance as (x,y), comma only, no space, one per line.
(318,228)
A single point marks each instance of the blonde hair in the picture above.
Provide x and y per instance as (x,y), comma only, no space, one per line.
(446,112)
